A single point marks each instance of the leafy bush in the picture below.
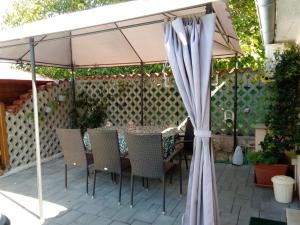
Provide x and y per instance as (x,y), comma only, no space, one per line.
(261,158)
(53,105)
(88,112)
(282,118)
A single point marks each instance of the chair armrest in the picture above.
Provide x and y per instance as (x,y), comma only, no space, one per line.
(182,142)
(176,153)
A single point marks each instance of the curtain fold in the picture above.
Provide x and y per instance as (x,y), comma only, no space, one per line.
(189,45)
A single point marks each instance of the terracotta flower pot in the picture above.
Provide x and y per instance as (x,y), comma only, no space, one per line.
(264,173)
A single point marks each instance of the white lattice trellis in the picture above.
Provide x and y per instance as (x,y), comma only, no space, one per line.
(20,128)
(163,106)
(122,98)
(251,103)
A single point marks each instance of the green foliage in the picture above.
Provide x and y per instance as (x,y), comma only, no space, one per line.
(282,118)
(29,117)
(88,112)
(245,22)
(120,70)
(61,73)
(261,157)
(26,11)
(53,105)
(65,92)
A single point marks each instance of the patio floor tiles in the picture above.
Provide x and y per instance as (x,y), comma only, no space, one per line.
(145,216)
(239,199)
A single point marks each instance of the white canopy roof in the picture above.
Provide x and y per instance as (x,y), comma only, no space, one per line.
(130,33)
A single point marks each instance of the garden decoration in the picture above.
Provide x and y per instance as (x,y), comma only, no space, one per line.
(51,107)
(167,81)
(62,95)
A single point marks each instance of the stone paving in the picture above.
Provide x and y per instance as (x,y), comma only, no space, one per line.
(239,199)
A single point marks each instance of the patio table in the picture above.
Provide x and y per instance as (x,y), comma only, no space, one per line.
(168,137)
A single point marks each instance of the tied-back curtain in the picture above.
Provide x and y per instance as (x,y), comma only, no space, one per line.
(189,45)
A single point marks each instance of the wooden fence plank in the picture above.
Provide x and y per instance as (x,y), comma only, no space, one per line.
(4,155)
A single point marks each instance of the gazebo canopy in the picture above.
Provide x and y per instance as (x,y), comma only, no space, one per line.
(130,33)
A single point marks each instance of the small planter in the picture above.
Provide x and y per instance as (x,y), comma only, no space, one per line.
(61,98)
(48,109)
(51,107)
(264,173)
(29,118)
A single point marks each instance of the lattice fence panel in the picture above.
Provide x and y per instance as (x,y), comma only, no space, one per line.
(252,93)
(20,128)
(163,106)
(123,98)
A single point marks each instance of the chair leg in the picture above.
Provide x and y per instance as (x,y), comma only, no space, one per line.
(143,182)
(94,184)
(115,178)
(164,195)
(132,186)
(186,162)
(120,188)
(180,174)
(112,177)
(147,184)
(66,177)
(87,180)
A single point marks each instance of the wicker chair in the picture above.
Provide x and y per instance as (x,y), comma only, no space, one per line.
(146,158)
(105,149)
(74,151)
(187,142)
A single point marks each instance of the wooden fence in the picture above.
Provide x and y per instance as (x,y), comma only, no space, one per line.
(4,155)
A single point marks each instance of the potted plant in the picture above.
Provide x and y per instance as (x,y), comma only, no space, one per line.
(267,165)
(281,118)
(88,112)
(62,95)
(51,106)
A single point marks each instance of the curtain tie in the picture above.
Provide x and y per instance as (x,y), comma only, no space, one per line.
(202,133)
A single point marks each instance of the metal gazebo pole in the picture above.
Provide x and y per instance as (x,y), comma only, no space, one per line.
(36,130)
(72,73)
(142,94)
(235,103)
(73,87)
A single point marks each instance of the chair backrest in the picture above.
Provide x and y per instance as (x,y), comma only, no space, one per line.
(189,136)
(145,154)
(72,147)
(105,149)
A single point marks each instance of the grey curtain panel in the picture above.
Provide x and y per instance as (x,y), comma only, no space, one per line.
(189,45)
